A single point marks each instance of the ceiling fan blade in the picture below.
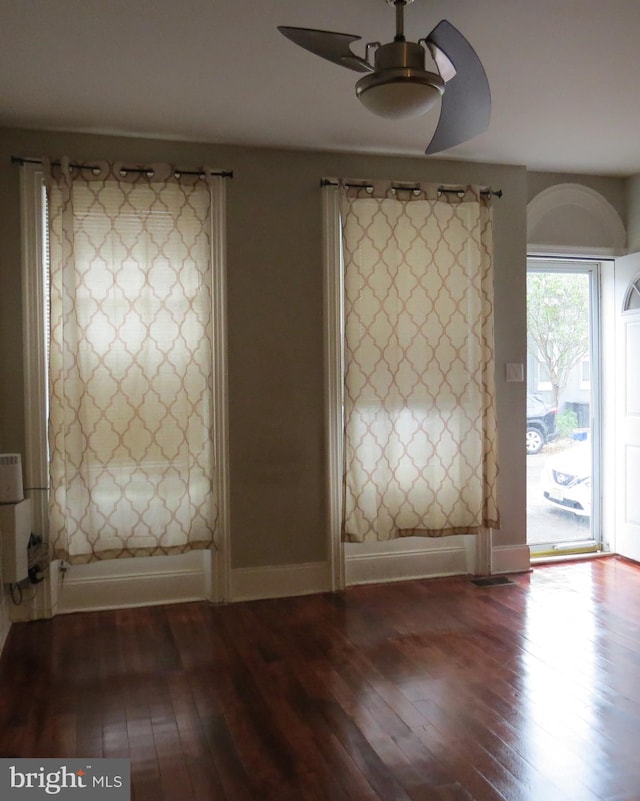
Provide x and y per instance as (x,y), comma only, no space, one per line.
(335,47)
(466,103)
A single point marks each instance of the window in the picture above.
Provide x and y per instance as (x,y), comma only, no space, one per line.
(585,374)
(132,377)
(413,371)
(632,298)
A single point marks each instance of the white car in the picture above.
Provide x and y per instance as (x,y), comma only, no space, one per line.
(566,479)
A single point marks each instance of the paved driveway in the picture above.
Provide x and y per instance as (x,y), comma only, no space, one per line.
(546,523)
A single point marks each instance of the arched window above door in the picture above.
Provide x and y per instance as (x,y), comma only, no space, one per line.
(632,297)
(574,220)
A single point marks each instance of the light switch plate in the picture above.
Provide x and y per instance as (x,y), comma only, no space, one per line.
(515,372)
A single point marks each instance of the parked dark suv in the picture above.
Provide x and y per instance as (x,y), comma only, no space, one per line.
(541,423)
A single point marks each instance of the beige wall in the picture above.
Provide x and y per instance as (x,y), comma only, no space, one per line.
(633,211)
(275,311)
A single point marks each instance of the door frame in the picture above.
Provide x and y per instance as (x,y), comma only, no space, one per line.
(624,542)
(592,266)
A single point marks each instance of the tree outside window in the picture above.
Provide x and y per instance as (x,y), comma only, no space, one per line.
(558,324)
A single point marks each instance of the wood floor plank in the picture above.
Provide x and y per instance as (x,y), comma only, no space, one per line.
(419,691)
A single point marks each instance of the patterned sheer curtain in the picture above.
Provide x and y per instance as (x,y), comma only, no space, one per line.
(419,401)
(130,362)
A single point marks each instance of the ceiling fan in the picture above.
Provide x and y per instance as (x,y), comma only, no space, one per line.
(397,85)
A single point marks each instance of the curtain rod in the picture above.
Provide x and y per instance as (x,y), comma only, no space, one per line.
(412,187)
(148,171)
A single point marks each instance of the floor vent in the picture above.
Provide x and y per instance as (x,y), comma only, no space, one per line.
(492,581)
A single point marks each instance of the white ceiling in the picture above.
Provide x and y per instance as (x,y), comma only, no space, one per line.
(564,75)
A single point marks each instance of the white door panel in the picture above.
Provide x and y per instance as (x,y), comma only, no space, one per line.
(632,468)
(632,349)
(627,428)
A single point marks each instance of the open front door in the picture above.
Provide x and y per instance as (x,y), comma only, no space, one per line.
(627,428)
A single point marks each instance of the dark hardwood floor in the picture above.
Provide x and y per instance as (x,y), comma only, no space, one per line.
(421,691)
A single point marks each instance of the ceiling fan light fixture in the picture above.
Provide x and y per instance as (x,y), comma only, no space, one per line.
(400,86)
(400,93)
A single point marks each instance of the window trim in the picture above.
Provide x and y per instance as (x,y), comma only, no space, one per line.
(333,372)
(33,334)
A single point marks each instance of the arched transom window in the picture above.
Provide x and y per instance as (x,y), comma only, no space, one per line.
(632,297)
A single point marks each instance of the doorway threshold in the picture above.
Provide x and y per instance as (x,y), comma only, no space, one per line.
(573,556)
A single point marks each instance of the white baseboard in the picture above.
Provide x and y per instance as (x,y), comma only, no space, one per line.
(164,580)
(126,583)
(402,565)
(122,583)
(281,581)
(510,559)
(445,557)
